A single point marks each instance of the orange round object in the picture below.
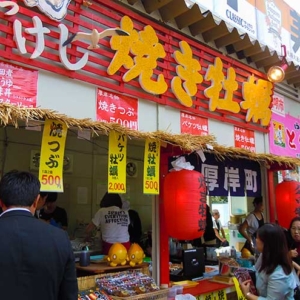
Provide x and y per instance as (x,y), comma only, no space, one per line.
(117,255)
(245,253)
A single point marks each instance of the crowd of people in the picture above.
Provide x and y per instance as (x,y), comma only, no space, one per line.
(37,259)
(276,249)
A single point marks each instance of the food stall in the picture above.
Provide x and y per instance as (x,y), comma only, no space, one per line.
(89,79)
(12,115)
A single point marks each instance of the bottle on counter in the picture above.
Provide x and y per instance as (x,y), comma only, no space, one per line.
(233,252)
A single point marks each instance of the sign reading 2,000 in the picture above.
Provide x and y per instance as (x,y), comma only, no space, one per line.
(116,186)
(51,180)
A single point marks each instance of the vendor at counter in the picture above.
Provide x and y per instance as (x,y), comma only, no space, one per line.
(135,226)
(209,236)
(219,230)
(252,223)
(113,222)
(53,214)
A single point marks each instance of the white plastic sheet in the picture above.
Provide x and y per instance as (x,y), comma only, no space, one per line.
(180,163)
(185,297)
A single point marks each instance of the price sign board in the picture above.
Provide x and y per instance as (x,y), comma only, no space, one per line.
(151,167)
(117,151)
(52,156)
(18,86)
(193,124)
(114,108)
(244,138)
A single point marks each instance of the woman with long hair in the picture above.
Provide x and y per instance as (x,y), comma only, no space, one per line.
(274,276)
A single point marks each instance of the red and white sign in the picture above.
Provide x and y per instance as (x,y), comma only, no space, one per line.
(114,108)
(278,104)
(18,86)
(244,138)
(193,124)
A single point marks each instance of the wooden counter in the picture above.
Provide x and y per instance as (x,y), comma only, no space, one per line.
(103,267)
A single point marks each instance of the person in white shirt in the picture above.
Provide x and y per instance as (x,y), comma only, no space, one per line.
(218,228)
(113,222)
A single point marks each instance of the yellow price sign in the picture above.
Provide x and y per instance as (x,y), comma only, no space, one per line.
(117,152)
(52,156)
(151,167)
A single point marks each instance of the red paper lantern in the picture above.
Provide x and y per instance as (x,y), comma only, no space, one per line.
(184,198)
(287,201)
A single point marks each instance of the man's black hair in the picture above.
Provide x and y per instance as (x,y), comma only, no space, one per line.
(257,200)
(44,194)
(19,189)
(52,197)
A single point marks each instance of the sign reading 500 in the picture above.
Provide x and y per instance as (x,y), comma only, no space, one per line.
(52,156)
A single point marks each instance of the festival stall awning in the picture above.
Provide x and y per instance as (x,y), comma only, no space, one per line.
(16,116)
(214,30)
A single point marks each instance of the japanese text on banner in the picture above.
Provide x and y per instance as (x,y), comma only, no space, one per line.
(244,138)
(151,167)
(240,176)
(218,295)
(193,124)
(52,156)
(121,109)
(117,149)
(18,86)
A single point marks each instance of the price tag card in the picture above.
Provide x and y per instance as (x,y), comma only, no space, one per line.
(117,151)
(151,167)
(52,156)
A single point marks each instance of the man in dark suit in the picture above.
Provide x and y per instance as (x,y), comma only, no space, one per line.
(36,259)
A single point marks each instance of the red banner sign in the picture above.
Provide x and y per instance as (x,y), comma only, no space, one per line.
(18,86)
(278,104)
(113,108)
(193,124)
(244,138)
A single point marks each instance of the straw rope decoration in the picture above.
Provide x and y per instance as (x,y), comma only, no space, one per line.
(13,115)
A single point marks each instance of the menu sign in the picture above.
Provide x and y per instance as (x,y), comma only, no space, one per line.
(114,108)
(18,86)
(193,124)
(151,167)
(278,104)
(117,152)
(244,138)
(52,156)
